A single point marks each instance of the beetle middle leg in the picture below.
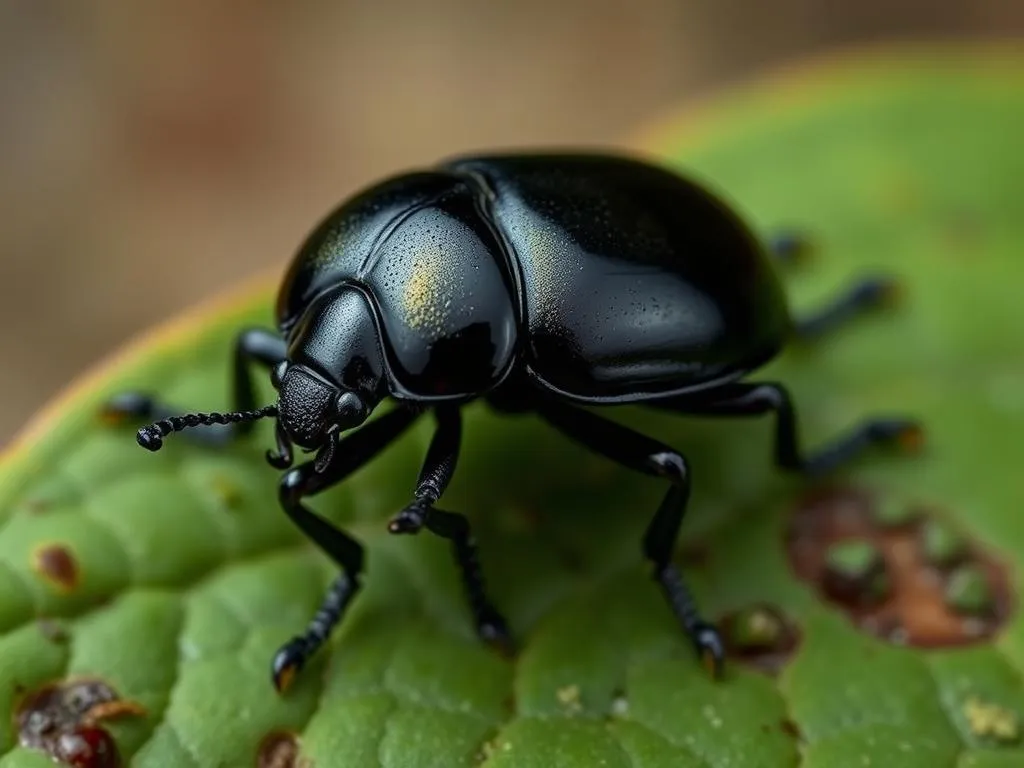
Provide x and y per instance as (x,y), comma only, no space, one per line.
(352,452)
(755,399)
(253,345)
(643,454)
(437,472)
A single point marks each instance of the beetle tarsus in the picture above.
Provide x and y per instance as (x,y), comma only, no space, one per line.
(287,664)
(864,295)
(790,247)
(411,519)
(293,655)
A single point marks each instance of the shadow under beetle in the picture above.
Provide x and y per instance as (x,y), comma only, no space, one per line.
(542,283)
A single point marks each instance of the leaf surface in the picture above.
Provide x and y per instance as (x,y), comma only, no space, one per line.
(174,577)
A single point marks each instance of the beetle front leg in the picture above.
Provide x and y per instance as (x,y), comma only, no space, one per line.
(351,453)
(437,472)
(253,345)
(642,454)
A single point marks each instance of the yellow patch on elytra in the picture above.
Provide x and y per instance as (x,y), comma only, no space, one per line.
(425,301)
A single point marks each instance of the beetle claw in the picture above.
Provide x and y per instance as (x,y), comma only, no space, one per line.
(711,649)
(287,664)
(493,630)
(409,520)
(906,435)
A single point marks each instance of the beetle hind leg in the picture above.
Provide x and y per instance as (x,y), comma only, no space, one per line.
(755,399)
(861,296)
(789,247)
(640,453)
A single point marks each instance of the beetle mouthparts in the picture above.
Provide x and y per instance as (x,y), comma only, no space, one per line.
(283,458)
(325,456)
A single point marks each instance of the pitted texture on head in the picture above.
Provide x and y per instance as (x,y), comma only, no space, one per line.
(305,407)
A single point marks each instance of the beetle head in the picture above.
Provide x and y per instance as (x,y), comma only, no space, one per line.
(312,413)
(330,382)
(333,376)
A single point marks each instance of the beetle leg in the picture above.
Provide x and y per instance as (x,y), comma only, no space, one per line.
(643,454)
(253,345)
(789,247)
(755,399)
(863,295)
(352,453)
(437,472)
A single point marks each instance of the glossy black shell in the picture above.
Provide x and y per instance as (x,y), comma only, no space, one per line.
(603,278)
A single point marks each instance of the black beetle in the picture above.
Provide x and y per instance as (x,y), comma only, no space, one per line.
(542,283)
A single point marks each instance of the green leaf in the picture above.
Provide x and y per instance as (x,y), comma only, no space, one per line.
(172,578)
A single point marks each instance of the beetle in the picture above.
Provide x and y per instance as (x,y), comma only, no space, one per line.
(555,283)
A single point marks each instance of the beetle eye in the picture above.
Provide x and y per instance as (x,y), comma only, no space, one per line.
(350,408)
(277,374)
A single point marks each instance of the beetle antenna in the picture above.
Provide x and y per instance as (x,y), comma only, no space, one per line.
(152,437)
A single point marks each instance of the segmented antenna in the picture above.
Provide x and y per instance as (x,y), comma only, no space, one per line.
(152,436)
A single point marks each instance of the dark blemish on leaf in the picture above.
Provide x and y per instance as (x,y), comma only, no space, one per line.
(56,564)
(760,636)
(64,721)
(508,704)
(790,728)
(901,572)
(855,573)
(279,749)
(53,630)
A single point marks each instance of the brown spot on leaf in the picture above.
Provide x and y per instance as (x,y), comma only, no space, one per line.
(64,721)
(761,636)
(790,728)
(56,564)
(929,586)
(36,506)
(279,749)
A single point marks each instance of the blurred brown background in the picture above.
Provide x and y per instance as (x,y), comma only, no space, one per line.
(157,151)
